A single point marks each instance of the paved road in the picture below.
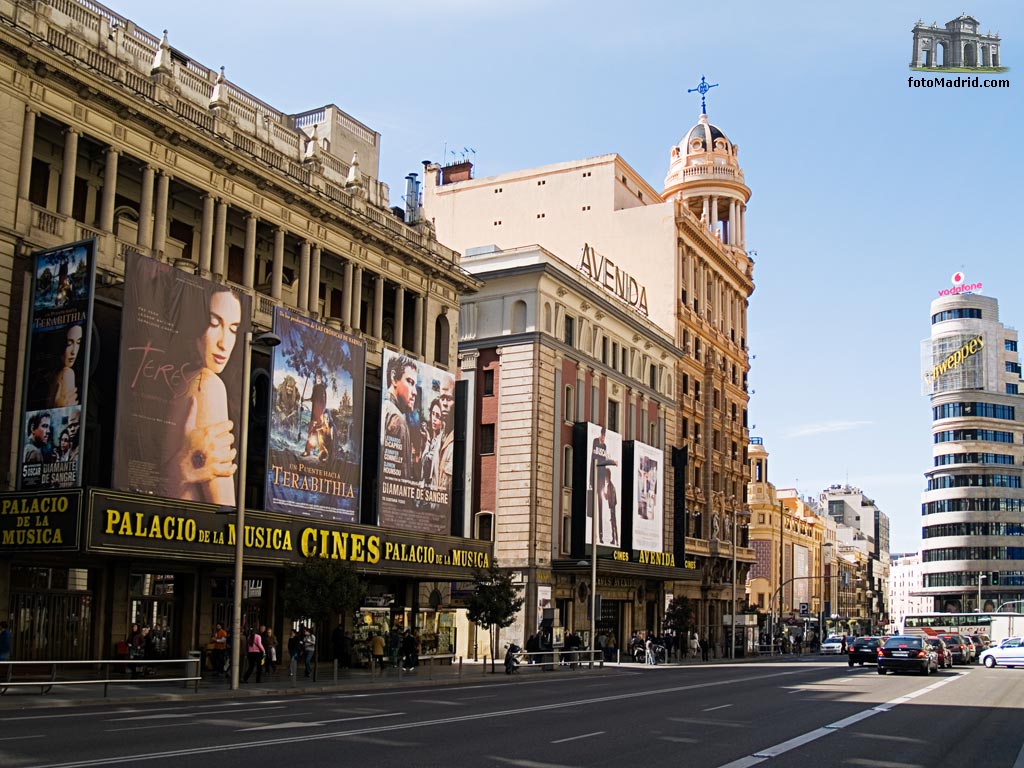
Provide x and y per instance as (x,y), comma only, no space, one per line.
(811,712)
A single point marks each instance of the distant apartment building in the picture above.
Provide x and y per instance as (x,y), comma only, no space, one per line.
(905,588)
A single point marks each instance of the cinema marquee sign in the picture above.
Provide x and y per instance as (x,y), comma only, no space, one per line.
(613,279)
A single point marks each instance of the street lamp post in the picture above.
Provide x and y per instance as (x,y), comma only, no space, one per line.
(735,527)
(595,509)
(266,340)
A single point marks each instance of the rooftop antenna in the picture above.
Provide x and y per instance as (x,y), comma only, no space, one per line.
(702,89)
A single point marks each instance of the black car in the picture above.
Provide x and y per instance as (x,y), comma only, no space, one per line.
(863,649)
(907,653)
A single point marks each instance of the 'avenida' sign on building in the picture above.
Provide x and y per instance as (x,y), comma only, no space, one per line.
(613,279)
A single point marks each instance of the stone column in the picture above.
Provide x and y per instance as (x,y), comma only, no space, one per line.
(417,325)
(915,56)
(302,296)
(314,281)
(109,191)
(378,306)
(357,297)
(28,142)
(714,213)
(220,236)
(733,220)
(277,273)
(706,211)
(249,255)
(400,316)
(146,208)
(66,191)
(163,190)
(346,295)
(206,236)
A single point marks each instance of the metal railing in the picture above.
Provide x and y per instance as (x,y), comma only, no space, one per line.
(45,674)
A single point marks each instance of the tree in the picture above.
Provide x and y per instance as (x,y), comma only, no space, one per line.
(320,589)
(495,601)
(679,617)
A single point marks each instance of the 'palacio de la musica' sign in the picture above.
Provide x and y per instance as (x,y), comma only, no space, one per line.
(613,279)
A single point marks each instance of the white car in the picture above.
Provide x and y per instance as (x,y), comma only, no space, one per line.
(832,645)
(1009,653)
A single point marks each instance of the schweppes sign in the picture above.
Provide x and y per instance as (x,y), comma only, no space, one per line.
(957,358)
(613,279)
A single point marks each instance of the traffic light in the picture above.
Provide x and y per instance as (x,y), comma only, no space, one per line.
(995,578)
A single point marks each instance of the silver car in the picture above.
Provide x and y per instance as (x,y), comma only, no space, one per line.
(1009,653)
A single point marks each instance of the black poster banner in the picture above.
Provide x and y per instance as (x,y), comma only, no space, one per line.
(179,389)
(57,366)
(133,525)
(314,453)
(32,522)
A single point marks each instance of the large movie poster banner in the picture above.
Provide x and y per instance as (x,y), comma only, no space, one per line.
(179,389)
(316,421)
(57,367)
(604,485)
(417,445)
(648,497)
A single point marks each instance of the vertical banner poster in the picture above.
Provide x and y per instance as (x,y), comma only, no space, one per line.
(417,445)
(316,421)
(57,367)
(179,388)
(604,484)
(648,497)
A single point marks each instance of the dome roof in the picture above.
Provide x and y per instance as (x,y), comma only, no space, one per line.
(706,134)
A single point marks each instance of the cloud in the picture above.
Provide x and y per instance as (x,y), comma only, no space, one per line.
(823,427)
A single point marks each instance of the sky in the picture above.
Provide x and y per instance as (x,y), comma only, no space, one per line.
(867,194)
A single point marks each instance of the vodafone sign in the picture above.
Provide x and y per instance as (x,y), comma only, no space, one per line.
(960,285)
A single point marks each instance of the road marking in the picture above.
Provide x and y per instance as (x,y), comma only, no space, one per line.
(576,738)
(720,706)
(817,733)
(151,727)
(18,738)
(706,721)
(679,739)
(316,723)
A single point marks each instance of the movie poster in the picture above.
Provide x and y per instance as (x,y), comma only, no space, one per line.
(604,485)
(648,497)
(316,421)
(417,445)
(57,367)
(179,389)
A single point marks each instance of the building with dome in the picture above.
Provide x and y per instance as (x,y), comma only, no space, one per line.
(971,552)
(613,304)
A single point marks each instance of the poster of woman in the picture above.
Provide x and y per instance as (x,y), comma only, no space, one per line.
(604,484)
(648,503)
(316,420)
(180,384)
(57,365)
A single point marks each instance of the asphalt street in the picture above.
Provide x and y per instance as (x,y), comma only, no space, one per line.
(808,712)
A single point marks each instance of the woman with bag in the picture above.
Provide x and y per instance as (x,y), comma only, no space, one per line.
(254,656)
(270,646)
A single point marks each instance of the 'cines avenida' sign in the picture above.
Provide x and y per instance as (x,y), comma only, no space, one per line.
(612,278)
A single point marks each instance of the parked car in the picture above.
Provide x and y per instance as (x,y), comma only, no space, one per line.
(945,656)
(971,648)
(957,647)
(907,653)
(832,645)
(1009,653)
(981,643)
(863,649)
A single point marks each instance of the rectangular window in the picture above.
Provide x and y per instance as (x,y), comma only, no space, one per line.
(1010,345)
(604,350)
(569,406)
(488,383)
(1013,367)
(615,355)
(486,439)
(613,416)
(686,383)
(696,391)
(569,336)
(1011,389)
(567,466)
(653,377)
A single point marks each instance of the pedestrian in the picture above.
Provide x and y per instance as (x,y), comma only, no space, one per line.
(270,648)
(254,656)
(843,647)
(694,646)
(5,642)
(705,648)
(611,648)
(220,647)
(346,650)
(308,649)
(649,647)
(377,650)
(136,648)
(294,651)
(337,638)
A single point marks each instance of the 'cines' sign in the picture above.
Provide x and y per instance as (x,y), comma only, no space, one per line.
(613,279)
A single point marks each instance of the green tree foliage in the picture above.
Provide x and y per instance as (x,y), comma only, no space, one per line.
(494,603)
(321,589)
(679,616)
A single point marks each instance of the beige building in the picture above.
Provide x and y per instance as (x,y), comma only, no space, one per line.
(673,258)
(110,133)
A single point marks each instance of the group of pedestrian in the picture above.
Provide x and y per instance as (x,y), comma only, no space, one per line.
(143,643)
(301,645)
(260,652)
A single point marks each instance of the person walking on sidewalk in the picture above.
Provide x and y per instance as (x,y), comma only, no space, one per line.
(270,648)
(254,656)
(308,649)
(294,651)
(705,649)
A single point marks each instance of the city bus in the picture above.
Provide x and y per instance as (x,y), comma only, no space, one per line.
(998,626)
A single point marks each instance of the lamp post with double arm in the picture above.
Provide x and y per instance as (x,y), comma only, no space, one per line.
(263,340)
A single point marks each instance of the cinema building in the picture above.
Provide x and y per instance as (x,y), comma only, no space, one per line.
(971,508)
(131,174)
(608,305)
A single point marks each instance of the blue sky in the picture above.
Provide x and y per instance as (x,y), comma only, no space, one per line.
(867,194)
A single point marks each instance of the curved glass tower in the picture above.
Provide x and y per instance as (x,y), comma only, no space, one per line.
(973,503)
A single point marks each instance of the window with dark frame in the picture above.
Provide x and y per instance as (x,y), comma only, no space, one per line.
(488,382)
(486,439)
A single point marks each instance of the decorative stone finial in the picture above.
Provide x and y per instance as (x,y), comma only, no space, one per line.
(162,58)
(219,97)
(354,180)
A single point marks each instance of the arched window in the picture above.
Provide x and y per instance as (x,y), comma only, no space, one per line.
(441,343)
(519,317)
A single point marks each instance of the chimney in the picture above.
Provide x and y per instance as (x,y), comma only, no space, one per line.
(460,171)
(412,199)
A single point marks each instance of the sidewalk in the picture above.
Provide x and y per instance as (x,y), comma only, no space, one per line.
(149,690)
